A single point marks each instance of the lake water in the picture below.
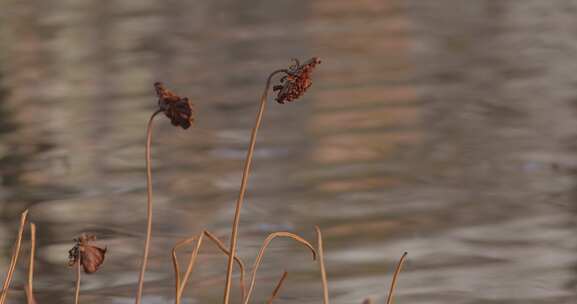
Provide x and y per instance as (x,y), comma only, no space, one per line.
(444,128)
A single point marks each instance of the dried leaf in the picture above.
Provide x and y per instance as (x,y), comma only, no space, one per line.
(90,256)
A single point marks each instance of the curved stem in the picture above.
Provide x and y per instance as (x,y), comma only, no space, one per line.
(262,250)
(220,246)
(29,288)
(78,272)
(243,183)
(240,263)
(148,208)
(395,276)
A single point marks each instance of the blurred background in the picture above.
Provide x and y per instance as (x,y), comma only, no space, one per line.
(443,128)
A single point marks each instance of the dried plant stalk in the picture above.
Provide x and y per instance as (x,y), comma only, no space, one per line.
(189,268)
(14,258)
(277,288)
(240,263)
(322,265)
(90,256)
(78,276)
(179,111)
(175,263)
(395,276)
(262,250)
(243,183)
(220,246)
(295,82)
(29,286)
(148,208)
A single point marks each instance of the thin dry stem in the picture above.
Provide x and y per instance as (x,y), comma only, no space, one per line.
(175,264)
(395,276)
(189,268)
(14,258)
(30,286)
(262,250)
(148,208)
(220,246)
(78,275)
(322,265)
(277,288)
(243,183)
(240,263)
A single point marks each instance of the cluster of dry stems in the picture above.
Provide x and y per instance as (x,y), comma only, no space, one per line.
(294,82)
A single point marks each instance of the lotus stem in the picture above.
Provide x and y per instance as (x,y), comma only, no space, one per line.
(176,267)
(29,287)
(78,275)
(395,276)
(322,265)
(262,250)
(240,263)
(178,282)
(14,259)
(277,288)
(243,183)
(148,208)
(189,268)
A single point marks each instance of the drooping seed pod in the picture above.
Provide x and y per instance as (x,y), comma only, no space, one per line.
(178,109)
(296,81)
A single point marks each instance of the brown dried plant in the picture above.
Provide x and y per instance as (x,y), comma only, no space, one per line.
(395,277)
(87,256)
(178,109)
(180,112)
(190,266)
(296,82)
(277,288)
(29,286)
(294,87)
(180,285)
(262,250)
(14,258)
(322,265)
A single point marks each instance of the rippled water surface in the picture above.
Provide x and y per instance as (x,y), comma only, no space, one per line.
(443,128)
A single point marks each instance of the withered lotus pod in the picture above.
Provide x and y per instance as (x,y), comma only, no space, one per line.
(90,256)
(296,81)
(177,109)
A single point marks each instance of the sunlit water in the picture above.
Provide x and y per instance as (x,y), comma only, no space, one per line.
(443,128)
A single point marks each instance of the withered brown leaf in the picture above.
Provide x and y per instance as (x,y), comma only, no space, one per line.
(178,109)
(90,256)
